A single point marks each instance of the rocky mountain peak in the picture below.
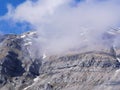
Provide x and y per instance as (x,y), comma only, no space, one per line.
(91,70)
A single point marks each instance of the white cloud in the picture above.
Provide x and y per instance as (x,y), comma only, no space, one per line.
(64,26)
(35,12)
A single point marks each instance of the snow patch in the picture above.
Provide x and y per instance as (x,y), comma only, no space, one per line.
(36,79)
(31,33)
(26,88)
(117,71)
(28,43)
(44,56)
(118,59)
(114,32)
(23,36)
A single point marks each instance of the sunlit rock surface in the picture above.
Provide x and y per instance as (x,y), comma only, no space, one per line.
(89,70)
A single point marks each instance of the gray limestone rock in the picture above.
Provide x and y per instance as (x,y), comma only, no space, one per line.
(92,70)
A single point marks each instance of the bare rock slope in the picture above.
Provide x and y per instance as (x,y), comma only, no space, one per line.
(92,70)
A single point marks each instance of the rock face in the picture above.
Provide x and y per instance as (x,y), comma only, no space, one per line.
(93,70)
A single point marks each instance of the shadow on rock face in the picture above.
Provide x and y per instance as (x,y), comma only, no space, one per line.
(11,66)
(35,67)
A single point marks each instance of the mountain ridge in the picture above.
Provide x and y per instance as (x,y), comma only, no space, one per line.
(91,70)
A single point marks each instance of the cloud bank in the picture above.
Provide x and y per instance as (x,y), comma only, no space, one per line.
(64,25)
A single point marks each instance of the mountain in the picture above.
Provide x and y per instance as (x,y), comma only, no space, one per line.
(89,70)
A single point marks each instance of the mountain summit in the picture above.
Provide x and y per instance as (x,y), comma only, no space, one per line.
(90,70)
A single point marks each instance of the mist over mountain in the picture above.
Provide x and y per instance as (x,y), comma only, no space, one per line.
(72,45)
(24,67)
(63,25)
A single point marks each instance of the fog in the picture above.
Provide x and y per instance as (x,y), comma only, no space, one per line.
(64,25)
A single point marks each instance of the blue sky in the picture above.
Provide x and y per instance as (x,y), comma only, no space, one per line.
(3,5)
(61,23)
(8,26)
(5,26)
